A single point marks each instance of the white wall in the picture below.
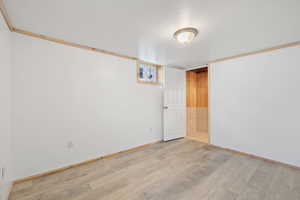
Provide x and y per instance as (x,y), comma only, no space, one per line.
(255,104)
(63,94)
(5,145)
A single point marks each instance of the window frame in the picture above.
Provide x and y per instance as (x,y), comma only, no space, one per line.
(158,73)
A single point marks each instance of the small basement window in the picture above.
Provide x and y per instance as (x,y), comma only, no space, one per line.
(148,73)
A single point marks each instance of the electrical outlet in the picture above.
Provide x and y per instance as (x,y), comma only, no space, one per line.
(70,145)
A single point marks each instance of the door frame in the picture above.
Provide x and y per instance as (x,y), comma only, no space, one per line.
(209,100)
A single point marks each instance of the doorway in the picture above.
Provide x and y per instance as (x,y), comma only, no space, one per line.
(197,104)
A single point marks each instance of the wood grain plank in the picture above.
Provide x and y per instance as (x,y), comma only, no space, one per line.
(177,170)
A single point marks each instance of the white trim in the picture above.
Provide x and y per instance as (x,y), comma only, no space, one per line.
(196,67)
(209,69)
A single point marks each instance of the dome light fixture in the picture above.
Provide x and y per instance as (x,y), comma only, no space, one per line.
(185,35)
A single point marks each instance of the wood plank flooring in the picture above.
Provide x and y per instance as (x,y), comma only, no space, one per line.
(176,170)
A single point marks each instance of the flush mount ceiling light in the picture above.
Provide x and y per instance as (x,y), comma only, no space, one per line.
(185,35)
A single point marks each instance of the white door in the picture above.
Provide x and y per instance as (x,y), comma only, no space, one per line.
(174,104)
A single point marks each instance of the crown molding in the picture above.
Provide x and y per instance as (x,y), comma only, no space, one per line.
(44,37)
(291,44)
(72,44)
(5,16)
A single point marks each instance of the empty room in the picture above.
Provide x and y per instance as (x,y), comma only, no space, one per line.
(149,100)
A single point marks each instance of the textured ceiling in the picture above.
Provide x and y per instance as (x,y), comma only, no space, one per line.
(144,29)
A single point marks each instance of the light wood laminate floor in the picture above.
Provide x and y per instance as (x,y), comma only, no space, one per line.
(181,169)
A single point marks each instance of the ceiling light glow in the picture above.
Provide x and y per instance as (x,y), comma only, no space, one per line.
(185,35)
